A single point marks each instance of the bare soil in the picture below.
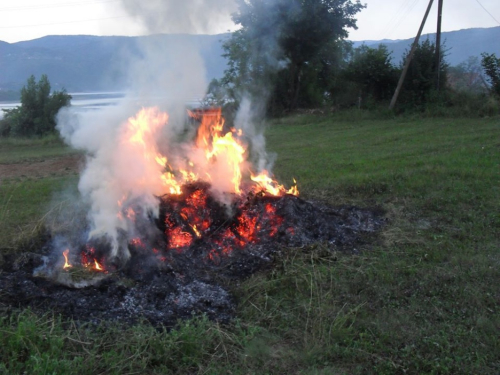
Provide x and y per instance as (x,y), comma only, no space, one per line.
(48,167)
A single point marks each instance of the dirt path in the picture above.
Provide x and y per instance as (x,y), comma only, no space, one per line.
(48,167)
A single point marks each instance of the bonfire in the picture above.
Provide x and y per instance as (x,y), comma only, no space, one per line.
(186,223)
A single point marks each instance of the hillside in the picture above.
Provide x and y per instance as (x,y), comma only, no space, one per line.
(459,45)
(93,63)
(88,63)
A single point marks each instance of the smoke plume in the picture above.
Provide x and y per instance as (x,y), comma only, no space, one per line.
(187,16)
(120,155)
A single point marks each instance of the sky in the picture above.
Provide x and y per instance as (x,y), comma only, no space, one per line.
(382,19)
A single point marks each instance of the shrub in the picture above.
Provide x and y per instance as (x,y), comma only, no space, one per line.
(36,115)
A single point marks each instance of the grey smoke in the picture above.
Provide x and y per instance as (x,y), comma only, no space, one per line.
(173,70)
(247,119)
(185,16)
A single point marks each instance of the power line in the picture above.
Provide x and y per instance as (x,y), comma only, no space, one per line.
(486,10)
(61,23)
(55,5)
(406,12)
(399,12)
(409,57)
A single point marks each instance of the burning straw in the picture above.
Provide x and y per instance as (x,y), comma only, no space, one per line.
(204,181)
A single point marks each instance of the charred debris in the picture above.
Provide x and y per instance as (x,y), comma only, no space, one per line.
(180,268)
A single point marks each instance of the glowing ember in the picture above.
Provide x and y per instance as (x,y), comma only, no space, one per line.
(137,242)
(89,261)
(178,238)
(247,229)
(66,262)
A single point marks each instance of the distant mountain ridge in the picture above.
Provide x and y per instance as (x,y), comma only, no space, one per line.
(458,45)
(97,63)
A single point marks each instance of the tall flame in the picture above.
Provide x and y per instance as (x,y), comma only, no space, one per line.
(97,266)
(141,136)
(223,150)
(66,262)
(217,155)
(219,145)
(229,147)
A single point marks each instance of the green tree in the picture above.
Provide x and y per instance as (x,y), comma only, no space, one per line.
(284,48)
(420,81)
(491,66)
(36,115)
(372,72)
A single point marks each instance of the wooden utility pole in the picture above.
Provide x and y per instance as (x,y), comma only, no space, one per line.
(410,56)
(438,43)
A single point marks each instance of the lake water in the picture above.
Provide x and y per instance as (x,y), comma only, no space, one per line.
(90,101)
(81,101)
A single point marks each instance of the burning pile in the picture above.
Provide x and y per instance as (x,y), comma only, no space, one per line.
(185,220)
(208,184)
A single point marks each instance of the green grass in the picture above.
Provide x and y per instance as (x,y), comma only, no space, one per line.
(24,203)
(18,150)
(423,297)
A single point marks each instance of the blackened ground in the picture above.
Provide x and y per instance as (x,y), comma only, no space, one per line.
(162,298)
(172,284)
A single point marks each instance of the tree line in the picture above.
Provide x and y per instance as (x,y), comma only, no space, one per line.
(294,54)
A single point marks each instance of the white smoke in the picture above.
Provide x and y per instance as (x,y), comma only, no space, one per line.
(167,75)
(186,16)
(116,170)
(247,120)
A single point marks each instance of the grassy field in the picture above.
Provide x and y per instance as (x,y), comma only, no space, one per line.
(25,150)
(421,298)
(25,200)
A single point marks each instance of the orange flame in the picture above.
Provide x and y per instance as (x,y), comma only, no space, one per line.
(66,262)
(268,185)
(140,137)
(97,266)
(219,146)
(196,231)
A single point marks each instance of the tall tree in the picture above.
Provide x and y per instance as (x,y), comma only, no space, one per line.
(420,80)
(372,71)
(491,66)
(280,43)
